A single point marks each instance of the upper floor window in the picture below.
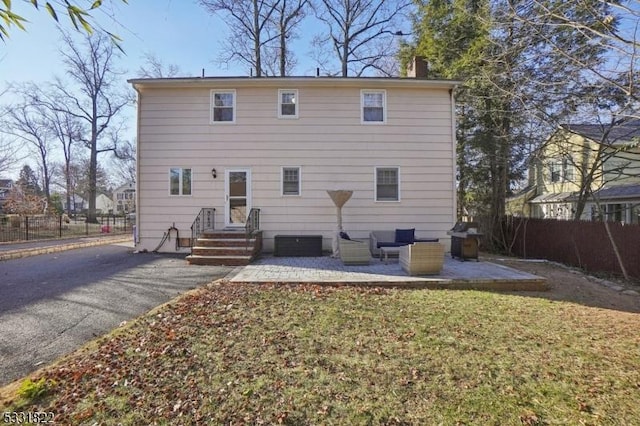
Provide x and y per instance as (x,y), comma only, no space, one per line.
(223,106)
(373,105)
(561,170)
(291,181)
(387,184)
(288,103)
(179,181)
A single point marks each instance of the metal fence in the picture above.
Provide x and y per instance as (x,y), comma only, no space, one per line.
(576,243)
(41,227)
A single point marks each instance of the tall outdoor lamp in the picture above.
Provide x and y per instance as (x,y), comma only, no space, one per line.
(339,198)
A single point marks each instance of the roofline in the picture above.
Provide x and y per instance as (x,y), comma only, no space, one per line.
(139,83)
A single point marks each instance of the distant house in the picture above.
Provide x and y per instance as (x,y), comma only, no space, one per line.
(278,144)
(5,188)
(104,204)
(611,155)
(77,206)
(124,198)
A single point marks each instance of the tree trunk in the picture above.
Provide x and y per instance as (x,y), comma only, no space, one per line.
(256,44)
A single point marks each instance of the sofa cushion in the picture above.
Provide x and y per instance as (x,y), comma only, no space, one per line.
(405,236)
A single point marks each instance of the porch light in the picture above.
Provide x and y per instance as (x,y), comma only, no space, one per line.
(214,173)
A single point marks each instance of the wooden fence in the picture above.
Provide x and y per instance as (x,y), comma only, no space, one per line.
(577,243)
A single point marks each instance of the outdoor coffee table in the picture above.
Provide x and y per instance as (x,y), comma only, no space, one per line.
(386,251)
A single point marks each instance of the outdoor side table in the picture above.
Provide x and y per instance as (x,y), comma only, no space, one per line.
(385,251)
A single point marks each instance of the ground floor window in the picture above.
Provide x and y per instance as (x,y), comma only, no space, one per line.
(291,181)
(179,181)
(387,184)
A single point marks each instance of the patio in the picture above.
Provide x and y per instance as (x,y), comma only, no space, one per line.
(331,271)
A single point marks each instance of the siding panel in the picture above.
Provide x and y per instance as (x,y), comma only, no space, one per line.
(334,149)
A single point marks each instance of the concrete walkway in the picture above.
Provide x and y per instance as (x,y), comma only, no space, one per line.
(327,270)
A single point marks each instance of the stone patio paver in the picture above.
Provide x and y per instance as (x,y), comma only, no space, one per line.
(328,270)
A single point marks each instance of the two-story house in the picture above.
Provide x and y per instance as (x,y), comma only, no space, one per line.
(124,198)
(279,144)
(591,168)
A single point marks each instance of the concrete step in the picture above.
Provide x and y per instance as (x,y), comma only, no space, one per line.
(223,234)
(223,251)
(219,260)
(224,242)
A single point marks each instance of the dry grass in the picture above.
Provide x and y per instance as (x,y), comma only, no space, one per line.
(239,354)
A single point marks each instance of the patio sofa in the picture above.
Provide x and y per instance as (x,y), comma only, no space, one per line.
(395,238)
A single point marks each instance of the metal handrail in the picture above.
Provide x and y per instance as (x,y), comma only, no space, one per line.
(203,221)
(252,225)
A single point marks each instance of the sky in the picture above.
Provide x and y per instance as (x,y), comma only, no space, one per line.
(178,32)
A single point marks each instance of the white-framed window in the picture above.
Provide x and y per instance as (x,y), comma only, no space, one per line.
(288,102)
(561,169)
(373,106)
(555,170)
(179,181)
(387,187)
(291,181)
(223,106)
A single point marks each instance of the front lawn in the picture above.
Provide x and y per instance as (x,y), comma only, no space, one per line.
(243,354)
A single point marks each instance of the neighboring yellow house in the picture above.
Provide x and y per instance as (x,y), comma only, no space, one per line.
(604,159)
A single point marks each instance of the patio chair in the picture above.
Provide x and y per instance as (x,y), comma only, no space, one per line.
(422,258)
(354,252)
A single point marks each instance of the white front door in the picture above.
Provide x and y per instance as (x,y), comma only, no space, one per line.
(237,197)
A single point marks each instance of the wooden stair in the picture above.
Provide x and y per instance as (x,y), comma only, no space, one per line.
(225,247)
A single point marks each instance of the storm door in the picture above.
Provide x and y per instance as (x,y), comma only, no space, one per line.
(238,196)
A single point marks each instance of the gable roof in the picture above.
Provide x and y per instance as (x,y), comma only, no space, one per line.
(606,133)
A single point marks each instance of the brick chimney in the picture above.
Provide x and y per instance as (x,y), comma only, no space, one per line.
(418,67)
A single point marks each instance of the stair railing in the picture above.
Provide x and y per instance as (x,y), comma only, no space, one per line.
(204,221)
(252,224)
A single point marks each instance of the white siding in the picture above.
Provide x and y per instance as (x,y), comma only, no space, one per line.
(328,141)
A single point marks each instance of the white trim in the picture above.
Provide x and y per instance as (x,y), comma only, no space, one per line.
(297,104)
(180,181)
(227,219)
(384,106)
(299,194)
(454,156)
(375,184)
(211,105)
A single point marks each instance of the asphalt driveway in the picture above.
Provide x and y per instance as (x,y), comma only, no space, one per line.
(52,304)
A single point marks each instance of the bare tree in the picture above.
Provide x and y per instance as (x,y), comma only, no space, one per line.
(360,33)
(250,21)
(154,68)
(9,155)
(287,17)
(27,122)
(68,131)
(125,162)
(92,97)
